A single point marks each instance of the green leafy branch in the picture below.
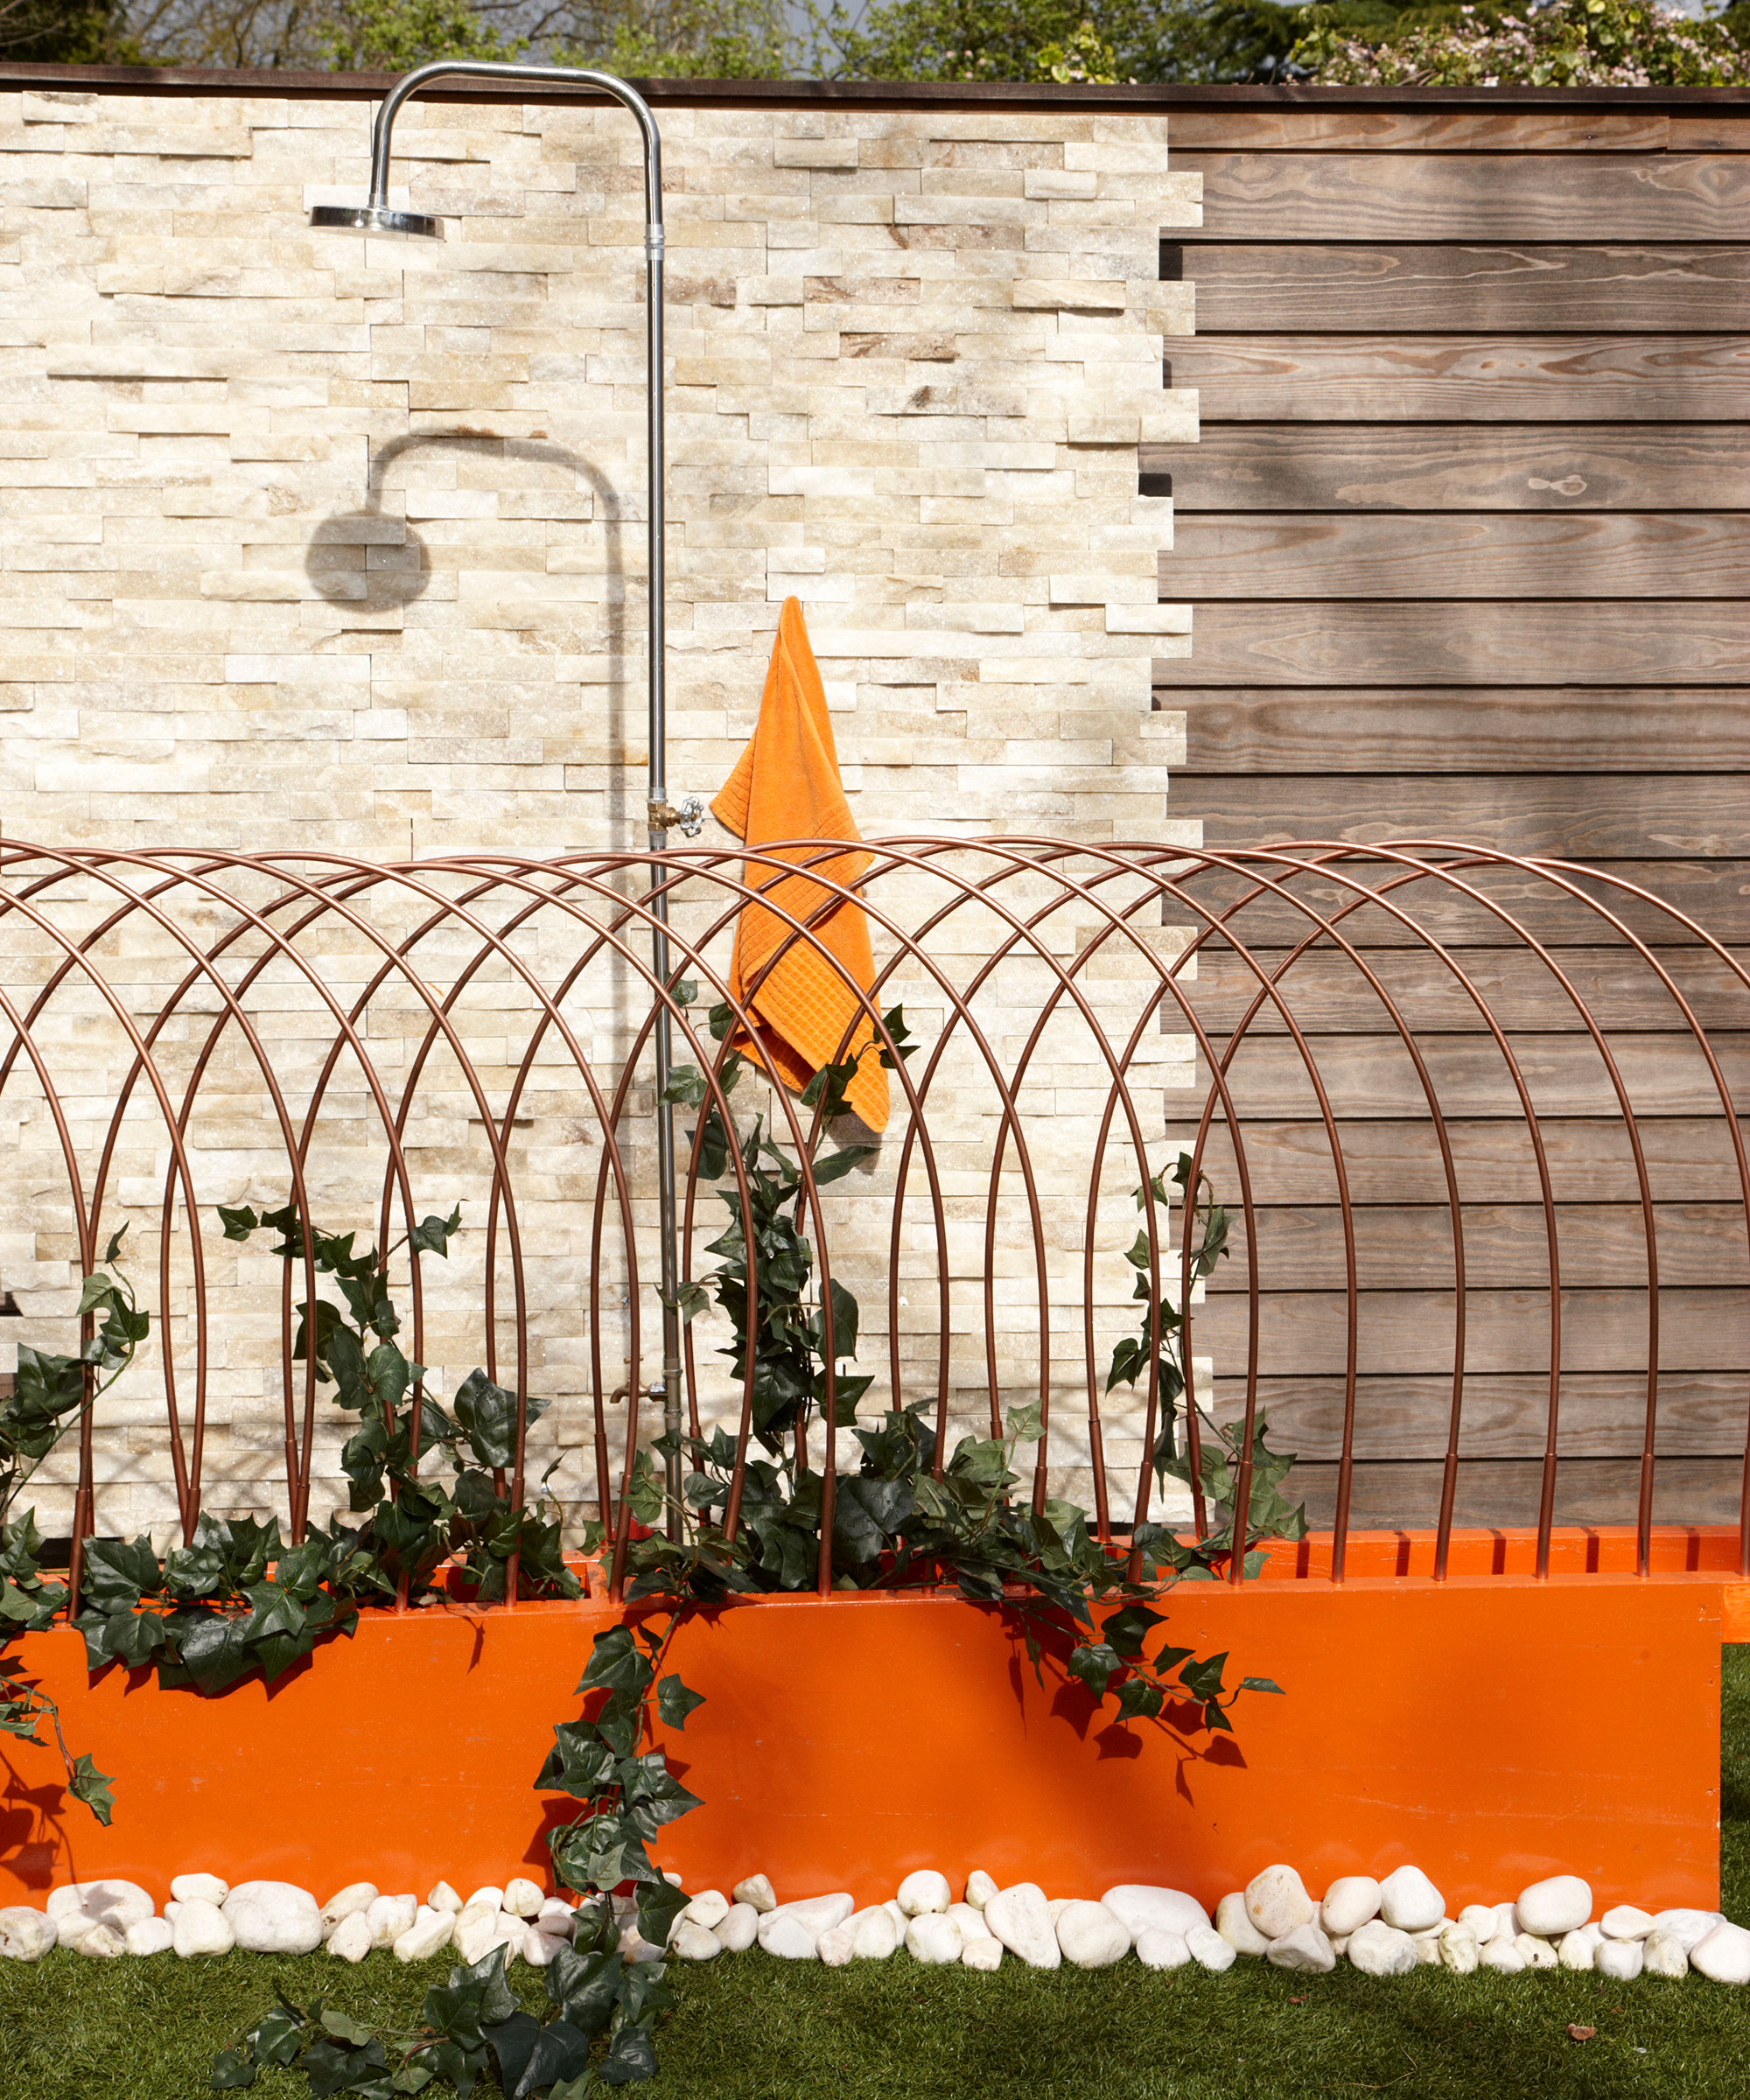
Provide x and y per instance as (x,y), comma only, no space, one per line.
(48,1393)
(601,2007)
(238,1599)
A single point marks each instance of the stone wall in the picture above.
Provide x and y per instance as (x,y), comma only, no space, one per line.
(311,540)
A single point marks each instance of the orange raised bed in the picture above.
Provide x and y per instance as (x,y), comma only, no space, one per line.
(1490,1728)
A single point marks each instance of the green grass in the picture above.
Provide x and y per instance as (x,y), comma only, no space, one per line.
(750,2029)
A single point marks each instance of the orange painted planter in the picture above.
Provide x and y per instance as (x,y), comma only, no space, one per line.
(1491,1729)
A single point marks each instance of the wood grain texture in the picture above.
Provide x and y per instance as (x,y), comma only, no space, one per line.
(1374,1076)
(1326,992)
(1575,816)
(1433,131)
(1665,287)
(1713,893)
(1411,197)
(1406,1246)
(1660,644)
(1404,1333)
(1501,1491)
(1460,555)
(1689,1161)
(1499,378)
(1505,1415)
(1458,731)
(1339,467)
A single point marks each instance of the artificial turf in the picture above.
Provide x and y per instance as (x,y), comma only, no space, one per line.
(753,2029)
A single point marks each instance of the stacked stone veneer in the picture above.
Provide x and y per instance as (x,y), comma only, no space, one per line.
(311,540)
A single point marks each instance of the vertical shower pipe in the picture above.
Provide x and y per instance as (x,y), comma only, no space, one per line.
(377,216)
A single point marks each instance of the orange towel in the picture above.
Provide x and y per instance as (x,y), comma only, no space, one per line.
(786,787)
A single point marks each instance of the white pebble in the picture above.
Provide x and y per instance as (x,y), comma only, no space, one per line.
(1626,1922)
(874,1936)
(982,1954)
(1377,1948)
(149,1935)
(709,1907)
(1665,1954)
(104,1942)
(389,1917)
(696,1942)
(1576,1949)
(979,1888)
(1305,1949)
(1691,1927)
(25,1935)
(1724,1956)
(357,1895)
(1277,1902)
(1409,1900)
(442,1897)
(429,1933)
(1620,1960)
(738,1928)
(1536,1951)
(1091,1936)
(932,1937)
(1459,1948)
(1022,1919)
(202,1928)
(1159,1947)
(1502,1954)
(1233,1922)
(1140,1905)
(1349,1903)
(1549,1908)
(523,1898)
(924,1893)
(1208,1950)
(209,1888)
(756,1891)
(1482,1919)
(352,1939)
(969,1921)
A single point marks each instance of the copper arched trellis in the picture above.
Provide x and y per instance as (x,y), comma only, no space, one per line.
(181,1028)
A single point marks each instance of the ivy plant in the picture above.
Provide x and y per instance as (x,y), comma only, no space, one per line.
(237,1599)
(48,1393)
(602,2007)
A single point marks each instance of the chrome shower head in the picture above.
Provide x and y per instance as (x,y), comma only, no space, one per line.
(376,219)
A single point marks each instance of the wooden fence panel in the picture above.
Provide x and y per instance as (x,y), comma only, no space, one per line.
(1467,540)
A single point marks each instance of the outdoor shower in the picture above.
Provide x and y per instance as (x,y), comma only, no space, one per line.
(378,216)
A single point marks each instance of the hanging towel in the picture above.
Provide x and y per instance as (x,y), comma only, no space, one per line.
(786,787)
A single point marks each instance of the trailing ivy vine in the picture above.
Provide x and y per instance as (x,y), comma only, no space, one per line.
(237,1599)
(48,1393)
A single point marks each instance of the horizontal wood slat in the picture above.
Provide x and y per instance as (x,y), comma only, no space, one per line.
(1603,1415)
(1564,1075)
(1689,1161)
(1669,286)
(1460,555)
(1262,466)
(1671,642)
(1605,817)
(1426,729)
(1300,1246)
(1326,991)
(1525,196)
(1401,1333)
(1492,378)
(1427,131)
(1715,894)
(1494,1492)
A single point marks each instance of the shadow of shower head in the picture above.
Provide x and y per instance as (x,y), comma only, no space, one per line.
(376,219)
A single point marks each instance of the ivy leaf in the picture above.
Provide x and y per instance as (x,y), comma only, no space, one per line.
(1140,1700)
(838,1164)
(630,2058)
(579,1763)
(513,2042)
(651,1793)
(1027,1424)
(674,1701)
(345,2029)
(1093,1663)
(433,1235)
(1261,1685)
(659,1904)
(86,1783)
(560,2051)
(115,1246)
(238,1223)
(233,2070)
(117,1574)
(584,1986)
(1203,1679)
(487,1414)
